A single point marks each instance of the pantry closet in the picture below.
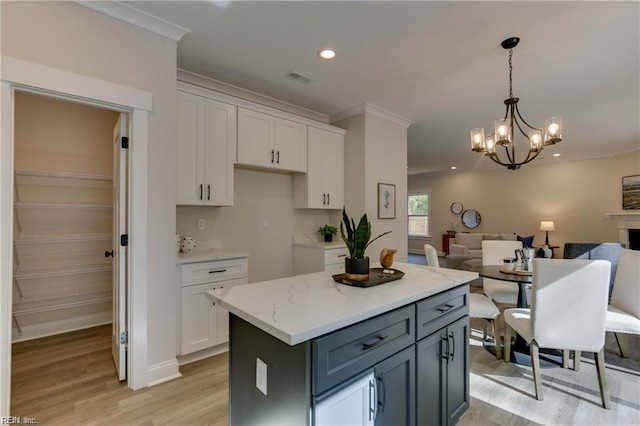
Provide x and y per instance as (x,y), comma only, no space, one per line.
(62,224)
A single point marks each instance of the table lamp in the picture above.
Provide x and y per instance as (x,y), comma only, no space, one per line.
(547,225)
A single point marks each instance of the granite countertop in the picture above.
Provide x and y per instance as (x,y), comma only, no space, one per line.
(209,254)
(321,244)
(300,308)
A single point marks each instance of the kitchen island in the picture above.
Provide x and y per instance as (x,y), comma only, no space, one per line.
(297,344)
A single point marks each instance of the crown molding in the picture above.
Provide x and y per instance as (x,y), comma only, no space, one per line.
(195,79)
(371,109)
(136,17)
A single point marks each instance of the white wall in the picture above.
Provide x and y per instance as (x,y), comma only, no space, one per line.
(257,195)
(376,152)
(70,37)
(575,195)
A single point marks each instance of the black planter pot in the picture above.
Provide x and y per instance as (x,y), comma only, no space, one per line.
(328,238)
(356,269)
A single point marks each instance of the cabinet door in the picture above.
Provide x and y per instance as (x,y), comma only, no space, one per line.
(352,405)
(219,153)
(333,169)
(458,370)
(431,378)
(396,389)
(290,145)
(322,187)
(256,133)
(191,128)
(199,318)
(222,315)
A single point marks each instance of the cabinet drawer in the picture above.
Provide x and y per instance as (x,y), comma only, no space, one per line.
(440,310)
(214,271)
(347,352)
(332,256)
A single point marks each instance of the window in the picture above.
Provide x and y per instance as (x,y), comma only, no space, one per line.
(419,215)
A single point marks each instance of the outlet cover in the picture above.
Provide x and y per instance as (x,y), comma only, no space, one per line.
(201,224)
(261,376)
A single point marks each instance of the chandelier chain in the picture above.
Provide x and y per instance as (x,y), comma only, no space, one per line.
(510,71)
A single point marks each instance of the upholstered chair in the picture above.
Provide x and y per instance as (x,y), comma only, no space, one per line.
(623,315)
(493,251)
(593,251)
(480,306)
(568,311)
(432,255)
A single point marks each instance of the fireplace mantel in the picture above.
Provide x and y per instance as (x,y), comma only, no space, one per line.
(624,221)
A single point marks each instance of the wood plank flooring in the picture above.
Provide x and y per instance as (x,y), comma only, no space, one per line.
(70,379)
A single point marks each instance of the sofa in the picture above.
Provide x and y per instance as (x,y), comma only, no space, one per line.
(470,243)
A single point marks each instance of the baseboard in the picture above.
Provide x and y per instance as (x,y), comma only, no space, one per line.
(205,353)
(414,251)
(30,332)
(162,372)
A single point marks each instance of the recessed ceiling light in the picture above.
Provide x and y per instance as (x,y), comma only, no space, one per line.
(556,155)
(327,53)
(453,167)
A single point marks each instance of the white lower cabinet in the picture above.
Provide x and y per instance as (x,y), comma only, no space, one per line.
(203,323)
(308,259)
(355,405)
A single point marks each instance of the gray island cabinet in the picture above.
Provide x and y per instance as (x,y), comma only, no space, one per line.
(306,350)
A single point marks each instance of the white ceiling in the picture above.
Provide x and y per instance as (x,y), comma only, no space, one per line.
(438,64)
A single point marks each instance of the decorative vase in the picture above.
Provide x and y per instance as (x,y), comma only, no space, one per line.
(188,244)
(356,269)
(328,238)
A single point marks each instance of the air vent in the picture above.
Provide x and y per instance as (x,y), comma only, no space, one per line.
(298,77)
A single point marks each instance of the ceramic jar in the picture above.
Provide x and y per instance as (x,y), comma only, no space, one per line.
(188,244)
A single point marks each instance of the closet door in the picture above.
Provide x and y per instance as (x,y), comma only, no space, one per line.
(119,253)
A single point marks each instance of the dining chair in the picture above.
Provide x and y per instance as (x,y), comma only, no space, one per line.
(623,315)
(432,255)
(493,251)
(480,306)
(568,312)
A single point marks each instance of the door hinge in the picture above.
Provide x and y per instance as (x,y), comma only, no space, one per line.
(124,338)
(124,240)
(125,142)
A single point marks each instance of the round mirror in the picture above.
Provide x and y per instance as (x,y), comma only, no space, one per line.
(471,218)
(456,208)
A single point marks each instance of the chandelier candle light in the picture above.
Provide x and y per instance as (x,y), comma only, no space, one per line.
(504,134)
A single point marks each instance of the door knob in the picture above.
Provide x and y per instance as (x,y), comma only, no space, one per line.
(108,253)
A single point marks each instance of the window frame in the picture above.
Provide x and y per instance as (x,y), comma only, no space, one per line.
(414,193)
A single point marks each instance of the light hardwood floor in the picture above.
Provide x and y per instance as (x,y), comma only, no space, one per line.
(70,379)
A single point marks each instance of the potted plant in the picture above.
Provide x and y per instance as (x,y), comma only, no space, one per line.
(357,239)
(328,231)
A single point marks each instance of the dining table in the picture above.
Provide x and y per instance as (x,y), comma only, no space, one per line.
(520,352)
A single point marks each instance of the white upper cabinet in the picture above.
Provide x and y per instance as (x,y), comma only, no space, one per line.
(323,185)
(266,141)
(207,140)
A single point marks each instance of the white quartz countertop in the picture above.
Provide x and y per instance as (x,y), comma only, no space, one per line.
(209,254)
(300,308)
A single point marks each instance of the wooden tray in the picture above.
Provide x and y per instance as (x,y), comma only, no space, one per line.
(376,277)
(516,272)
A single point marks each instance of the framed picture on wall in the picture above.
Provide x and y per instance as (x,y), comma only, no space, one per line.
(631,192)
(386,201)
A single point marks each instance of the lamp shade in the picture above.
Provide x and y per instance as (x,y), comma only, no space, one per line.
(547,225)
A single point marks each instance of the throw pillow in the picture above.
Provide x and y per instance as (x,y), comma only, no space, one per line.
(526,241)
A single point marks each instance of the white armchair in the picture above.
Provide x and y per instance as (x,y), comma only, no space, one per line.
(568,312)
(623,315)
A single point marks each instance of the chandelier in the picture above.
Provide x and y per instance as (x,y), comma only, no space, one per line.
(505,130)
